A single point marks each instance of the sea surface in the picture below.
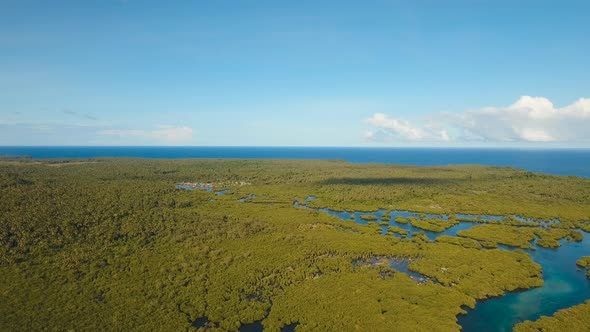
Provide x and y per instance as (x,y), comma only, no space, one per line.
(575,162)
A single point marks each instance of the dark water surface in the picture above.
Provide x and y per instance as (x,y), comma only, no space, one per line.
(552,161)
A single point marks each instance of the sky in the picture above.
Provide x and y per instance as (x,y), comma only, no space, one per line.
(295,73)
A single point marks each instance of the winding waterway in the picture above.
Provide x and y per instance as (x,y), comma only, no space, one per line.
(565,285)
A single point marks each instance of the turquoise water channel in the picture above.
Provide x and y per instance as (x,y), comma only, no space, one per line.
(565,285)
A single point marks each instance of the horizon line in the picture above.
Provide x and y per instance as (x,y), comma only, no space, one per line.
(306,147)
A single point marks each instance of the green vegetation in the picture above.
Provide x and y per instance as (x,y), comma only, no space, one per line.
(575,236)
(433,225)
(369,301)
(477,273)
(110,244)
(548,237)
(512,221)
(15,158)
(576,318)
(397,230)
(585,226)
(459,241)
(369,217)
(401,220)
(493,234)
(585,263)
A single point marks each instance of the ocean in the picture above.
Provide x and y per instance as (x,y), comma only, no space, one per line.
(574,162)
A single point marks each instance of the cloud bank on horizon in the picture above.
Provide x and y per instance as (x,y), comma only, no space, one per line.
(80,134)
(529,119)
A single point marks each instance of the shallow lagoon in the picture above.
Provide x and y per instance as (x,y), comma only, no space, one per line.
(565,285)
(398,264)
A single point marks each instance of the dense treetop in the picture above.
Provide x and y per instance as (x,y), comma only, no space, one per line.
(111,244)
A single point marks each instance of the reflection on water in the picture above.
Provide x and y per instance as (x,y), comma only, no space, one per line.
(289,328)
(193,187)
(248,197)
(408,227)
(252,327)
(199,322)
(309,199)
(208,188)
(398,264)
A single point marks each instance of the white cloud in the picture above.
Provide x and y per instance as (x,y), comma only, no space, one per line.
(400,129)
(165,134)
(529,119)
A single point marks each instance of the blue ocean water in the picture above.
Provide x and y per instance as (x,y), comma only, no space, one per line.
(553,161)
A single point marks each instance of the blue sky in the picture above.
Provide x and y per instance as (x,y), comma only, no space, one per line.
(298,73)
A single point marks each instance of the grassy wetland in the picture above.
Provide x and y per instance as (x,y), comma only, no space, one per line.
(115,244)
